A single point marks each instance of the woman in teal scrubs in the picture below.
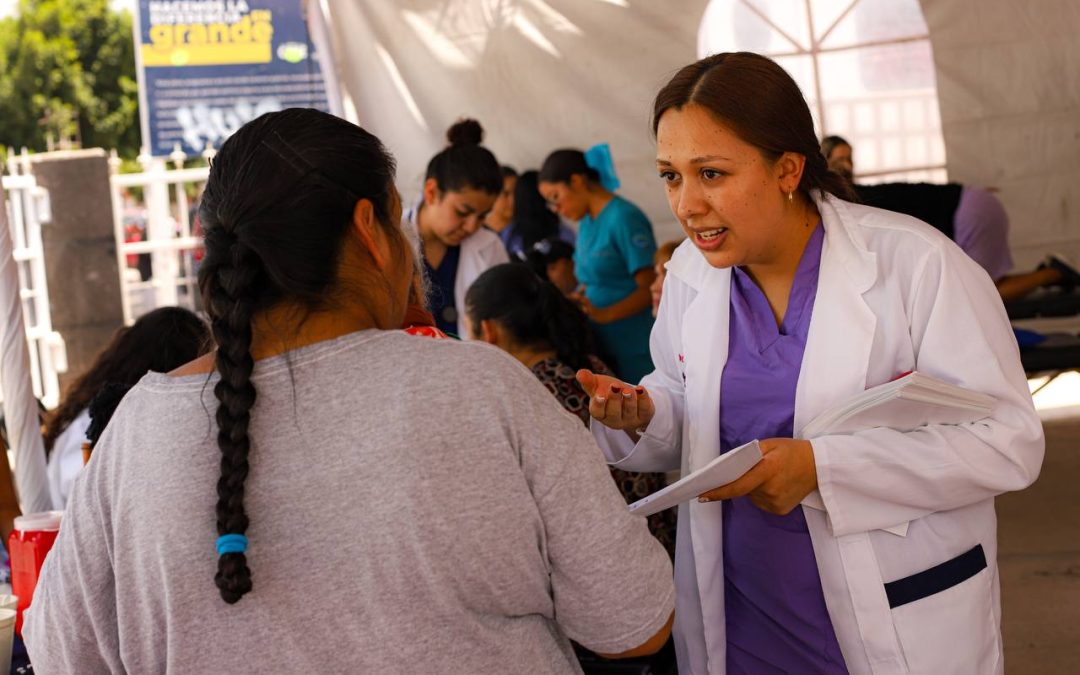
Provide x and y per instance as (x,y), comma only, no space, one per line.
(613,259)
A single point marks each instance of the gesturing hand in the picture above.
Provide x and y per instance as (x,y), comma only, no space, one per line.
(782,479)
(585,305)
(616,404)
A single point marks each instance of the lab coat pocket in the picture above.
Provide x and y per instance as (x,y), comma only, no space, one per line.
(944,617)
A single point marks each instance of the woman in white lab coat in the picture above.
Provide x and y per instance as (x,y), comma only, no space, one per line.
(886,541)
(460,187)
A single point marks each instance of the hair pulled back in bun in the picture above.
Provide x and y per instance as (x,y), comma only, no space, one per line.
(466,131)
(465,164)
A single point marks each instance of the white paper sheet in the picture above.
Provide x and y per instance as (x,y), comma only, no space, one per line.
(721,471)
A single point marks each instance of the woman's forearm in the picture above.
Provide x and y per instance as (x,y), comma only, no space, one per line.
(636,302)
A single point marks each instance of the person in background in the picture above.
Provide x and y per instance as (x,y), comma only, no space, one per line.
(461,185)
(527,317)
(321,494)
(660,261)
(159,341)
(553,259)
(534,221)
(502,211)
(972,217)
(864,552)
(614,253)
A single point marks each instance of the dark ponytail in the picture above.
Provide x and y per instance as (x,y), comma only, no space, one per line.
(464,163)
(544,253)
(533,220)
(561,165)
(760,102)
(276,210)
(532,311)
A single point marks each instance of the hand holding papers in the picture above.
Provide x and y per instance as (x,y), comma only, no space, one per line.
(721,471)
(904,404)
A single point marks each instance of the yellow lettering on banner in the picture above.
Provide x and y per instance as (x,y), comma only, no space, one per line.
(262,31)
(218,32)
(241,30)
(196,34)
(248,40)
(161,36)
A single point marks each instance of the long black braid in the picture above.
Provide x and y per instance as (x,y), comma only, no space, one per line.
(276,210)
(230,295)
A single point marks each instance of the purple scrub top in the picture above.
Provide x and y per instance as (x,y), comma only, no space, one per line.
(774,607)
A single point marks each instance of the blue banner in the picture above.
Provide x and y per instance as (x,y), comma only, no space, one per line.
(206,67)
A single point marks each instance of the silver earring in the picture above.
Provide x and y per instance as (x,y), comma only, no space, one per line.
(791,196)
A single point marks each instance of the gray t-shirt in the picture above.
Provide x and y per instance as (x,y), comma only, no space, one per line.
(417,506)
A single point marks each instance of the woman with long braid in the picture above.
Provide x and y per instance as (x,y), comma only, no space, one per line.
(361,513)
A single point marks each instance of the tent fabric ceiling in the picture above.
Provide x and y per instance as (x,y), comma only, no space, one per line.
(543,74)
(1008,77)
(538,74)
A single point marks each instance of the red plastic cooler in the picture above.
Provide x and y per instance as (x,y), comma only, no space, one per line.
(28,545)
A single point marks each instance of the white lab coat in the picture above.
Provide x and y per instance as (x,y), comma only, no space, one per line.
(893,295)
(479,252)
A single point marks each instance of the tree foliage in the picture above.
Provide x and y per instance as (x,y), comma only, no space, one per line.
(67,71)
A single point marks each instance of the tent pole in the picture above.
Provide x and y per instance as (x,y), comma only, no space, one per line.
(20,405)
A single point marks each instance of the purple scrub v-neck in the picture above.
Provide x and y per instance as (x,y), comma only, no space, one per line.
(774,607)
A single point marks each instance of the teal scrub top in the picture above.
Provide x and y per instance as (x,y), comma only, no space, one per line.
(610,249)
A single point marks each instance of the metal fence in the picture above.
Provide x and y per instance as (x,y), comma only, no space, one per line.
(158,249)
(28,208)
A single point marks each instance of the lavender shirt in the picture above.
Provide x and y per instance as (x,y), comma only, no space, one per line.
(981,229)
(776,616)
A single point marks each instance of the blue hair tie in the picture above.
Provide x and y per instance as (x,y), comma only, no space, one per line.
(598,158)
(231,543)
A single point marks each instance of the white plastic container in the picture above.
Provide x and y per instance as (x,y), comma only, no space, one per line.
(7,637)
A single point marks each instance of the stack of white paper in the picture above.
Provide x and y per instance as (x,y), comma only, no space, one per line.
(906,403)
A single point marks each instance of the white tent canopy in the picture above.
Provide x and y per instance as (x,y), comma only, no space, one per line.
(538,74)
(544,74)
(1008,77)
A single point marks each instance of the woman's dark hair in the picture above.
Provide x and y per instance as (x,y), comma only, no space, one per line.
(561,165)
(160,341)
(544,253)
(464,163)
(830,143)
(533,220)
(102,407)
(277,208)
(508,171)
(760,102)
(532,311)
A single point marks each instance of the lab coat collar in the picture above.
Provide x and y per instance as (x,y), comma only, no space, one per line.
(842,327)
(834,361)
